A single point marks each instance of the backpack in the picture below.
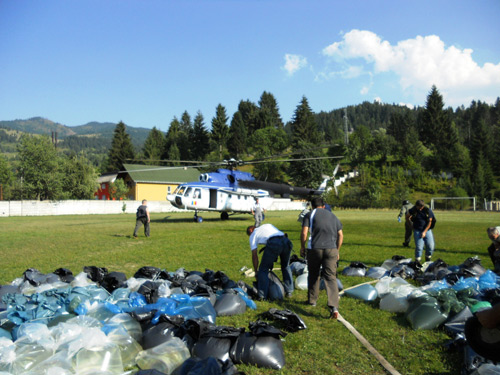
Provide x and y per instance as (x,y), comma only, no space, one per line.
(433,222)
(141,212)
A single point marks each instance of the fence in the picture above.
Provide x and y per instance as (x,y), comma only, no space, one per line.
(98,207)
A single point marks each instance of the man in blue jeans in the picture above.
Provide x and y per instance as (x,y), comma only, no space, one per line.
(276,245)
(421,218)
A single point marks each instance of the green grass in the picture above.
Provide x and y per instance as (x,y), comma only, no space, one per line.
(326,347)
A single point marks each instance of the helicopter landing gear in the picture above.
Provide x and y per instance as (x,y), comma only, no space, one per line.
(196,218)
(224,216)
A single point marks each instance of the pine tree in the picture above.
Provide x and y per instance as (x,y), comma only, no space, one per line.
(171,151)
(249,112)
(220,129)
(305,136)
(121,149)
(434,118)
(267,142)
(269,112)
(154,146)
(201,138)
(237,136)
(304,128)
(184,139)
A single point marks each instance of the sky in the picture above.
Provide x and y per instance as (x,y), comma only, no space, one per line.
(145,62)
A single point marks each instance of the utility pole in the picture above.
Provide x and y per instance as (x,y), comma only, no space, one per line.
(346,128)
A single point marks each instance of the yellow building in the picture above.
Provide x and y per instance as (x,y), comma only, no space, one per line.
(153,182)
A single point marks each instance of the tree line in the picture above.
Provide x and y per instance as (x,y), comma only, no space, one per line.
(423,141)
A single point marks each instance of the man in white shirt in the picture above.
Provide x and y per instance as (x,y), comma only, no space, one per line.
(277,245)
(257,212)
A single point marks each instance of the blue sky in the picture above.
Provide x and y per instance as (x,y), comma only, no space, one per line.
(144,62)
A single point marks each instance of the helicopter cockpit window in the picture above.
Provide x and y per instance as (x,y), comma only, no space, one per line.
(180,190)
(188,192)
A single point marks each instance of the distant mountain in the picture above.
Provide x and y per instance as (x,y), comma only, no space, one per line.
(38,125)
(102,130)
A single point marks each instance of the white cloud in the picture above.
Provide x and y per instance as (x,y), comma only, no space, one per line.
(293,63)
(365,90)
(419,63)
(409,105)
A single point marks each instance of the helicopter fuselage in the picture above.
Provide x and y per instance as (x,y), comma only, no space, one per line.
(203,196)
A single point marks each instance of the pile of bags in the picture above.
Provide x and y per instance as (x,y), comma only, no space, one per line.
(447,297)
(156,322)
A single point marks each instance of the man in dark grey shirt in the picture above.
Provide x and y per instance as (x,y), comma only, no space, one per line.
(322,251)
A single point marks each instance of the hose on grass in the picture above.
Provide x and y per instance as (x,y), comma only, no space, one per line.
(364,341)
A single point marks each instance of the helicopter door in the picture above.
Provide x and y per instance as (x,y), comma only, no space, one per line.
(213,198)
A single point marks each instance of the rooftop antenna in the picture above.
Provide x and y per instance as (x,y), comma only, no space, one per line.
(346,127)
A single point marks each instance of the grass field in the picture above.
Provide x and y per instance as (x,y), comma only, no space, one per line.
(326,347)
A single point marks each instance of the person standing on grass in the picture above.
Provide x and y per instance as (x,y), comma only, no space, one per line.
(257,212)
(142,218)
(277,245)
(407,206)
(421,218)
(494,248)
(322,253)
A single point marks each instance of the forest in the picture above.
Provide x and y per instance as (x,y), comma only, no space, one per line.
(399,152)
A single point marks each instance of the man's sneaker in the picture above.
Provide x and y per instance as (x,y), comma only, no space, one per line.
(334,313)
(288,295)
(428,259)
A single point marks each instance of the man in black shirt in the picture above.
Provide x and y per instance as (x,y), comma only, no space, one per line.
(421,218)
(142,218)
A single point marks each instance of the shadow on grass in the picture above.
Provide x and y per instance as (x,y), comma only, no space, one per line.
(470,252)
(345,243)
(302,308)
(168,219)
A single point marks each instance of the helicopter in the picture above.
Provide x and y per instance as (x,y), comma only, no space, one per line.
(230,191)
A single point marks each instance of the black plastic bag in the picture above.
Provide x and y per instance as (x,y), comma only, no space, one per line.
(149,289)
(152,273)
(276,289)
(293,322)
(397,258)
(64,274)
(158,334)
(36,278)
(230,303)
(218,280)
(456,325)
(206,366)
(197,328)
(114,280)
(473,265)
(96,274)
(436,266)
(403,271)
(203,290)
(149,372)
(262,347)
(216,342)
